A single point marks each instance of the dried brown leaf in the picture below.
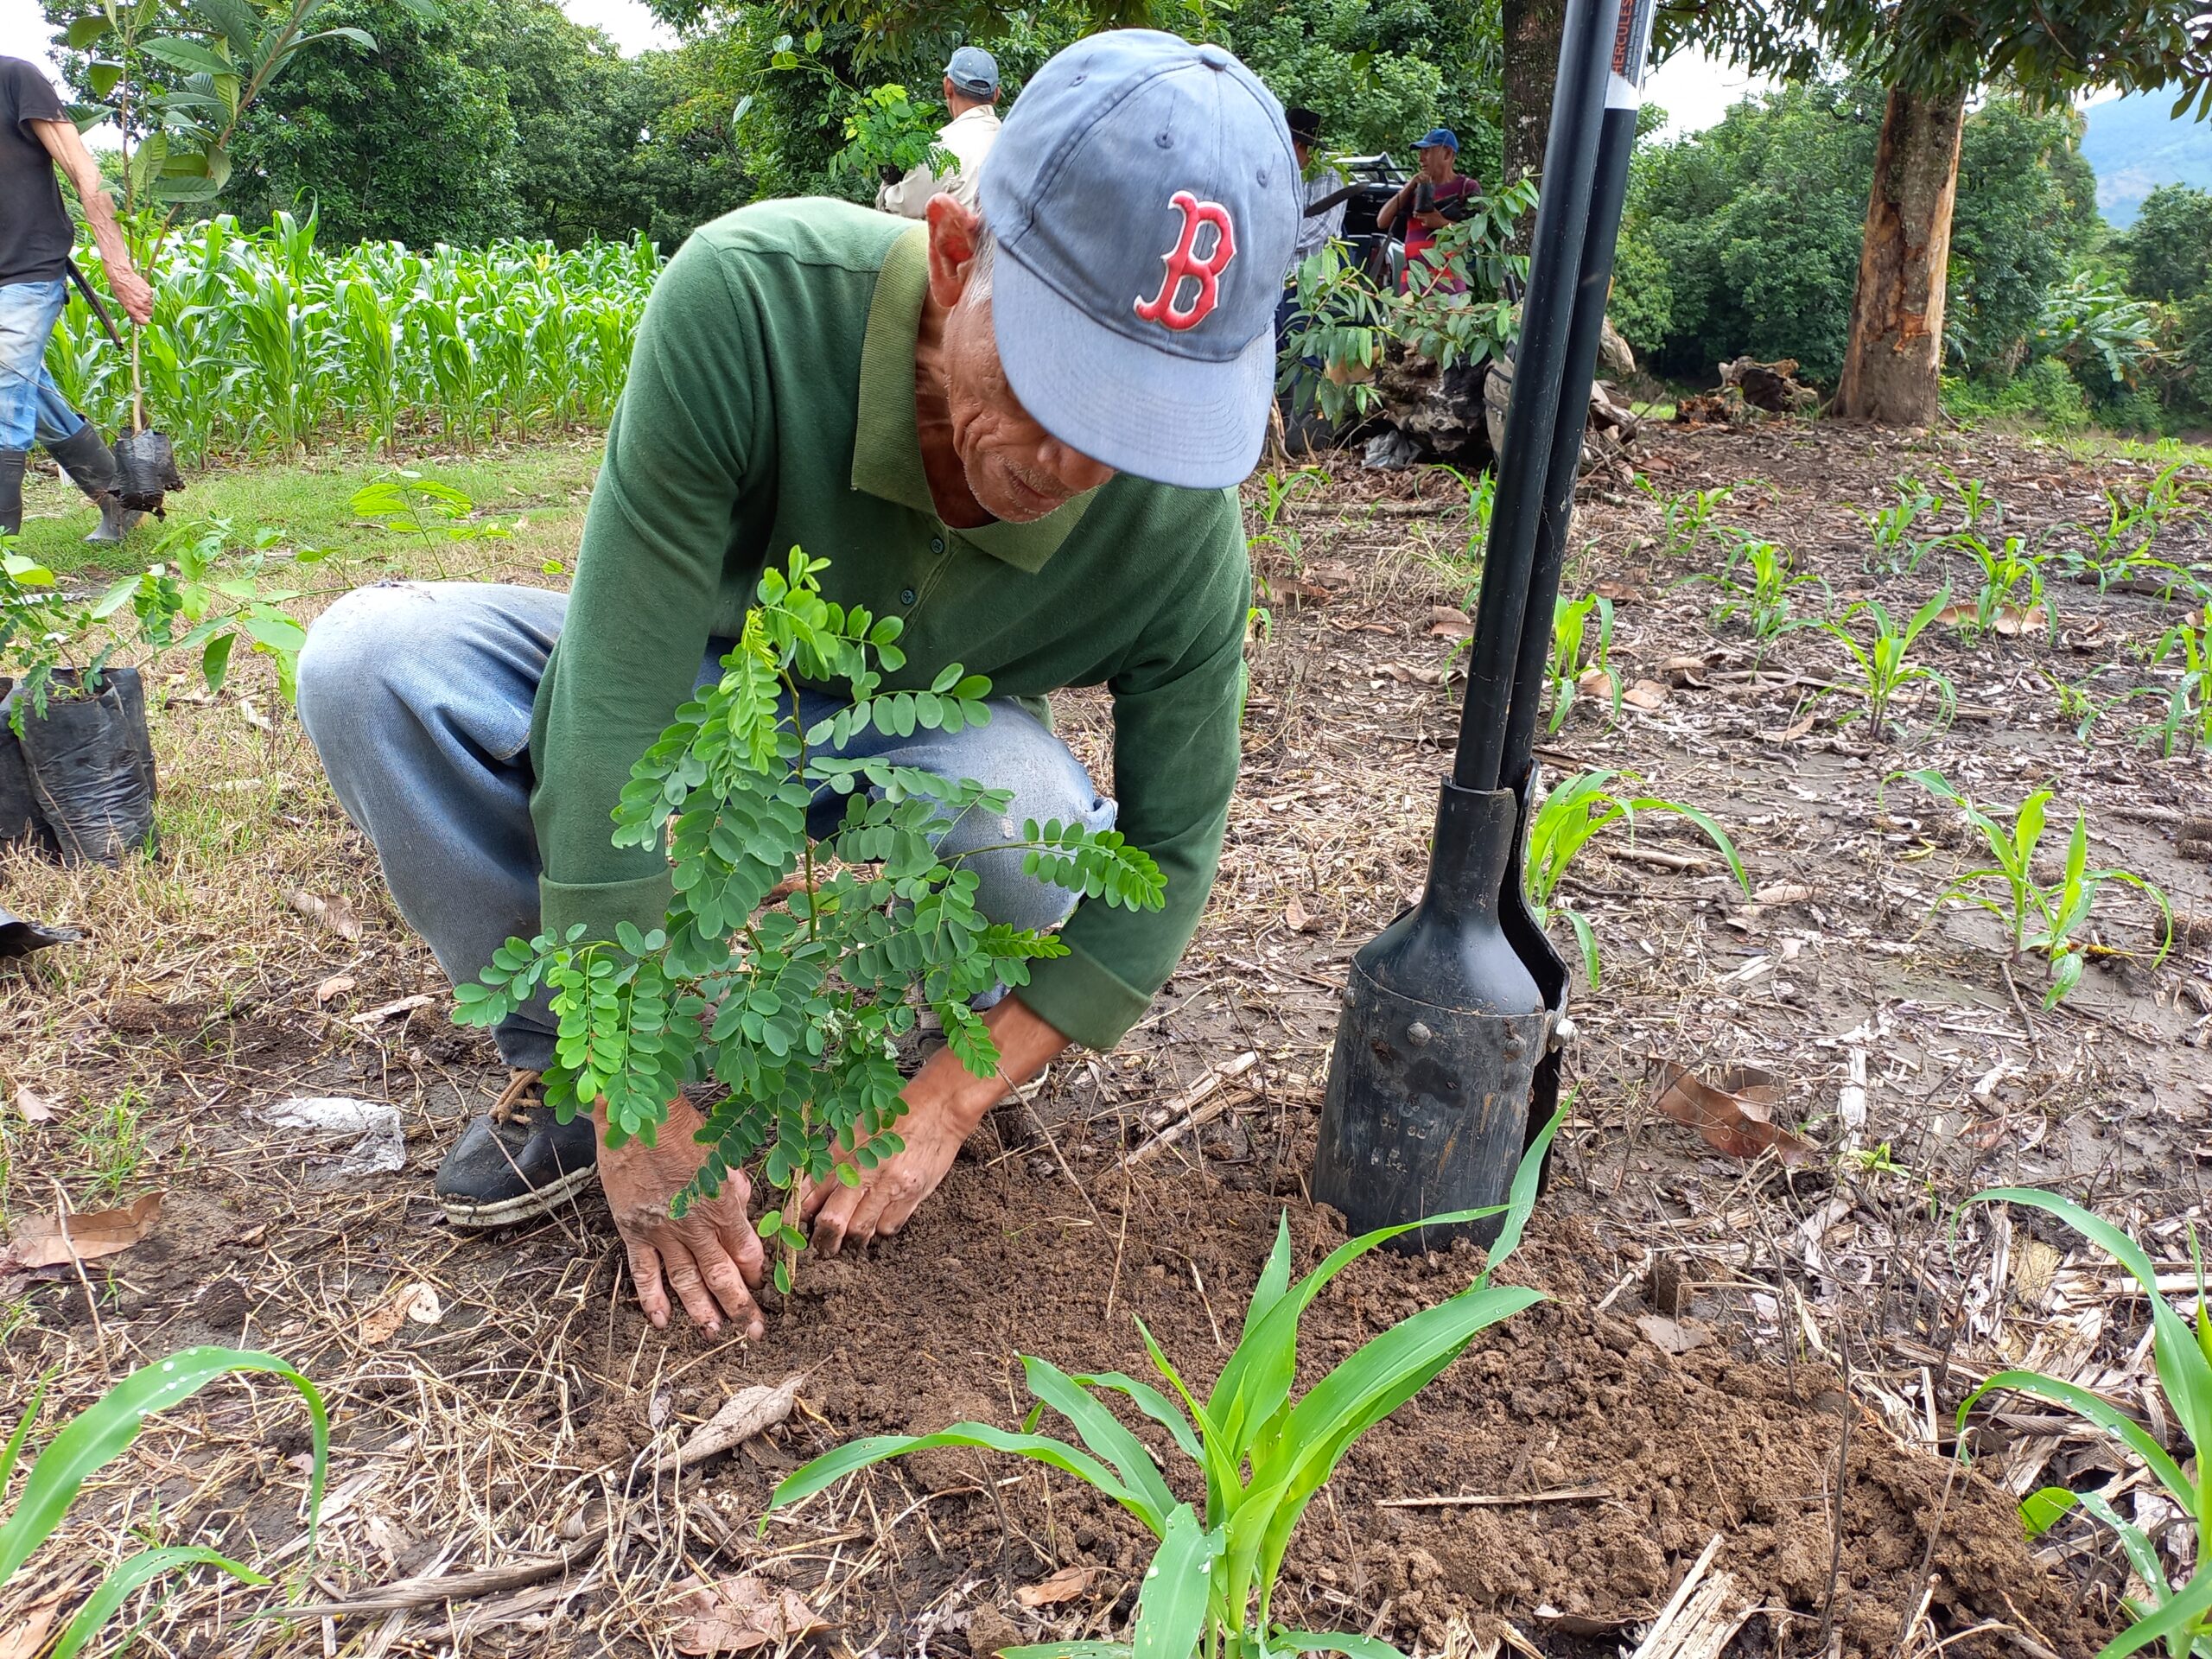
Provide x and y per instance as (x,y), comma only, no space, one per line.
(737,1615)
(1450,622)
(1595,682)
(1646,695)
(748,1412)
(39,1241)
(1673,1336)
(404,1005)
(336,985)
(1293,915)
(1735,1119)
(1782,893)
(27,1636)
(417,1302)
(1414,676)
(1063,1586)
(336,913)
(1291,591)
(34,1107)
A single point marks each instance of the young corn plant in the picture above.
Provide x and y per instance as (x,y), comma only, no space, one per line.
(1898,549)
(2011,599)
(1578,649)
(102,1433)
(1759,587)
(2187,717)
(2176,1616)
(789,1016)
(1977,502)
(1685,520)
(1572,813)
(1880,666)
(2048,919)
(1210,1586)
(1278,491)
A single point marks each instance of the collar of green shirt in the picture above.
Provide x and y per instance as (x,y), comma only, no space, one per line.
(888,448)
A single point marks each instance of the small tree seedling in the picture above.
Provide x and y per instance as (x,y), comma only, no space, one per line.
(792,1014)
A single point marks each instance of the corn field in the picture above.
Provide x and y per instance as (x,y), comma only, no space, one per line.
(261,340)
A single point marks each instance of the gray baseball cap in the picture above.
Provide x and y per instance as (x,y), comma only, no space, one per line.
(1143,195)
(974,71)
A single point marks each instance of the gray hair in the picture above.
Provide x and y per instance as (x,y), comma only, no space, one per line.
(979,267)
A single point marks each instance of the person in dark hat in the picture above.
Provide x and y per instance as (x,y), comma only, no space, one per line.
(1317,180)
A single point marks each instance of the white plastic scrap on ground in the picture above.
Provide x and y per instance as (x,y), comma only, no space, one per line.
(379,1145)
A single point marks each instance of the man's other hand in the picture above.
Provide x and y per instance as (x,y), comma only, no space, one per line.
(944,1103)
(135,292)
(711,1258)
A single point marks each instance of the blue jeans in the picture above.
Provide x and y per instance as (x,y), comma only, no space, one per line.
(31,405)
(417,699)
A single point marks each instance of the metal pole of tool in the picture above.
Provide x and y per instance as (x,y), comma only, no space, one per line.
(1451,1015)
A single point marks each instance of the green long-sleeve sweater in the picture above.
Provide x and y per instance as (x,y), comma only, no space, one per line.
(771,405)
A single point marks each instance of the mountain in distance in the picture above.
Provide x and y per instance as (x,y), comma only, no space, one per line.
(2136,143)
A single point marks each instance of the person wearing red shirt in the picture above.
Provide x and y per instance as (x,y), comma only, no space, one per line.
(1427,200)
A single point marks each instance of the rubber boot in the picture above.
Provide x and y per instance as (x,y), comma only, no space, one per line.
(90,466)
(11,490)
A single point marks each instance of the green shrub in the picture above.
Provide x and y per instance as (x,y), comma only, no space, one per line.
(2045,390)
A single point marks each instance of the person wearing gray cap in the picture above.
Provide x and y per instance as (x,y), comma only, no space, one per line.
(971,91)
(1019,429)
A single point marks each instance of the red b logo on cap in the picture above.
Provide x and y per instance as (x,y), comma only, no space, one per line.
(1184,265)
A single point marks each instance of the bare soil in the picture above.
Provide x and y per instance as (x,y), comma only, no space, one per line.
(1834,1293)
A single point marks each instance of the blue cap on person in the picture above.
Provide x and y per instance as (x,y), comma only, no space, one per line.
(1139,198)
(1443,136)
(974,72)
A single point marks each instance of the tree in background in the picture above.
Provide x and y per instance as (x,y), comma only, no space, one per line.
(1931,54)
(2168,250)
(1745,237)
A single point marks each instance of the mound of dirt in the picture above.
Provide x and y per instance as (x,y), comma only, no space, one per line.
(1663,1450)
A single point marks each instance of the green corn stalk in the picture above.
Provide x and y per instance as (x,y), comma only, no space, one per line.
(102,1433)
(1573,812)
(2179,1618)
(1210,1586)
(2037,916)
(1575,651)
(1880,666)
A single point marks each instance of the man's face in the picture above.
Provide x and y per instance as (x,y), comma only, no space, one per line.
(1304,151)
(1015,468)
(1436,163)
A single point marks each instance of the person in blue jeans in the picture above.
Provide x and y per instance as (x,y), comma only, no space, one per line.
(36,135)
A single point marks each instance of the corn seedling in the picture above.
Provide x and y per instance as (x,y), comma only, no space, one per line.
(1685,520)
(1977,503)
(102,1433)
(2011,586)
(1879,667)
(2046,918)
(2077,705)
(2176,1616)
(1210,1586)
(1757,585)
(1278,491)
(1573,811)
(2187,714)
(1896,550)
(794,1011)
(1578,650)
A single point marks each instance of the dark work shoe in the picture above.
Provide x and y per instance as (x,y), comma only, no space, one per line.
(516,1161)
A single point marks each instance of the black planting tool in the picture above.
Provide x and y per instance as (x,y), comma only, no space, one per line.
(1447,1052)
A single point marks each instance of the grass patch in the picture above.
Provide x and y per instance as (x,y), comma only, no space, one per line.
(538,491)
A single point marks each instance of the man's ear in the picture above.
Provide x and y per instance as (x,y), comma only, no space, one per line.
(954,233)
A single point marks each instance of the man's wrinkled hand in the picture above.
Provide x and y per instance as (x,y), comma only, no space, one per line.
(136,294)
(711,1258)
(890,1193)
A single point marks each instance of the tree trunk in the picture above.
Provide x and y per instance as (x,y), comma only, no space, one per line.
(1893,366)
(1532,31)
